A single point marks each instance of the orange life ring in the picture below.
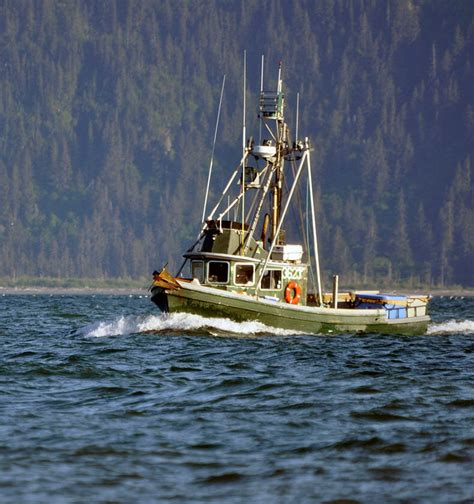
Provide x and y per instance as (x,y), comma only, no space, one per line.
(291,288)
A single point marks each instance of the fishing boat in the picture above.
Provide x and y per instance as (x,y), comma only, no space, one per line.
(242,266)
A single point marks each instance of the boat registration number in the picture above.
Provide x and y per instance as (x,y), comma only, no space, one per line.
(293,273)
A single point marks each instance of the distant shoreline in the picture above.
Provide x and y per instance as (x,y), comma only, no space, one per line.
(121,291)
(124,291)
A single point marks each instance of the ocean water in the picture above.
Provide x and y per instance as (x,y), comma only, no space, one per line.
(102,399)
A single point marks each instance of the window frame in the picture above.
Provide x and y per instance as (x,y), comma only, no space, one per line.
(213,281)
(203,279)
(248,284)
(272,288)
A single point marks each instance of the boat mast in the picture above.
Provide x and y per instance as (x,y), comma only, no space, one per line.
(272,108)
(243,156)
(261,93)
(280,134)
(297,115)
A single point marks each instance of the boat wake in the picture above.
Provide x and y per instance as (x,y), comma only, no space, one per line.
(452,327)
(177,322)
(188,323)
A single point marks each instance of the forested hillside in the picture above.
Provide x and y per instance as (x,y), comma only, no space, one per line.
(107,114)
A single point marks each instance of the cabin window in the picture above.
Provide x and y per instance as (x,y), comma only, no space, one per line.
(197,270)
(271,280)
(244,274)
(218,272)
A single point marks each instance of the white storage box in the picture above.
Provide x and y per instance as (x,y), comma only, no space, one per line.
(287,253)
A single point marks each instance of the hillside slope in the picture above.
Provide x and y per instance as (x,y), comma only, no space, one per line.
(107,114)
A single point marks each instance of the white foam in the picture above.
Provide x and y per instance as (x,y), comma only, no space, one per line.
(452,327)
(175,322)
(121,325)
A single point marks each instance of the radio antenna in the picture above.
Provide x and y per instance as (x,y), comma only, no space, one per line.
(212,152)
(261,91)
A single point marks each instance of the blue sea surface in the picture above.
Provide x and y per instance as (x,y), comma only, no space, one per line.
(103,399)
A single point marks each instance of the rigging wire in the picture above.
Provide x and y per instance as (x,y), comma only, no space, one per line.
(212,153)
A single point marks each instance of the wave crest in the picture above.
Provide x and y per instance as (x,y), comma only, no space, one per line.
(130,324)
(452,327)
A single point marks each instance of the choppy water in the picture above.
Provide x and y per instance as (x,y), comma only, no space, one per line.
(103,400)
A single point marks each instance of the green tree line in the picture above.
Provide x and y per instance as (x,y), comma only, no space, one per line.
(107,111)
